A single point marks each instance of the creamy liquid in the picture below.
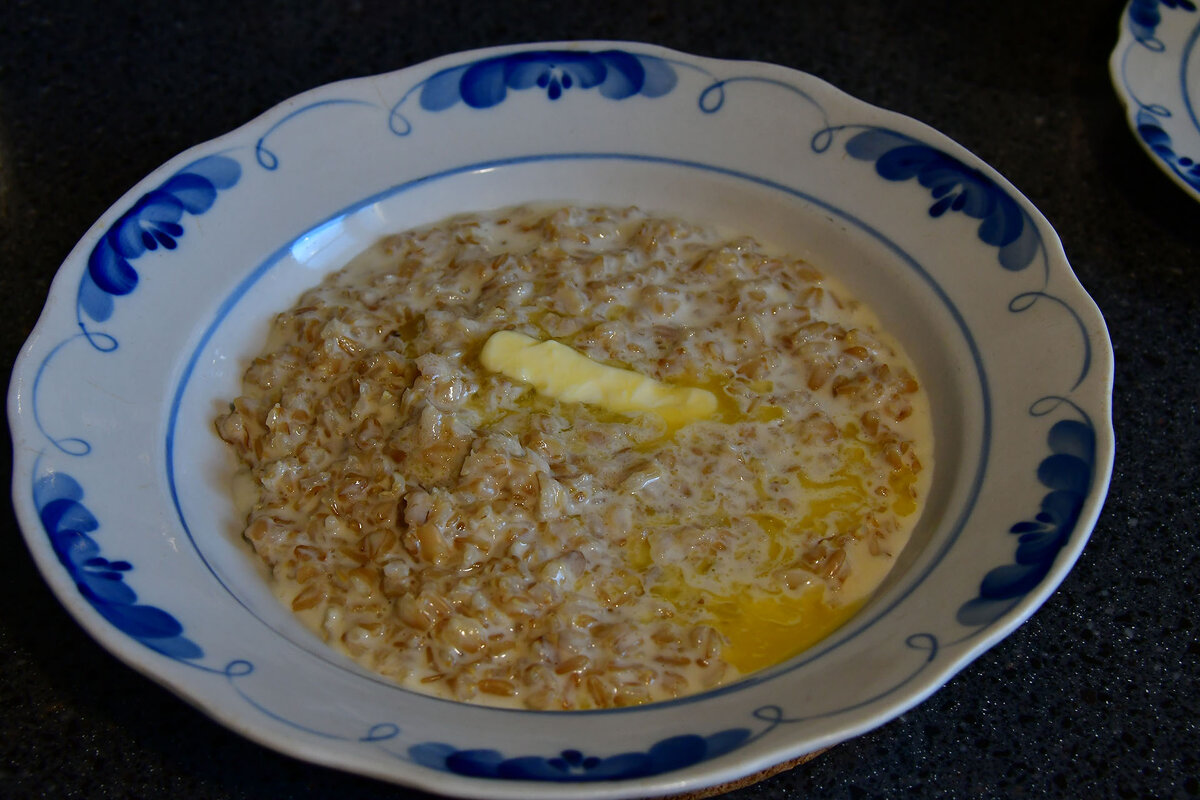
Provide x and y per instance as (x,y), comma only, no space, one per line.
(715,547)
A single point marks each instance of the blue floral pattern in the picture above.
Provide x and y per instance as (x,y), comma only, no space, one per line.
(1068,473)
(669,754)
(955,187)
(615,74)
(485,83)
(1143,18)
(69,525)
(154,221)
(1159,142)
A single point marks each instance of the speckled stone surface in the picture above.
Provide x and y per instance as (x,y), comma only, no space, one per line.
(1096,696)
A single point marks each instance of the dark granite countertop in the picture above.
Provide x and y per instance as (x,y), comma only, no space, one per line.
(1096,696)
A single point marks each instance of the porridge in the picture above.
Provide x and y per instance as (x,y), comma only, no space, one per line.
(576,458)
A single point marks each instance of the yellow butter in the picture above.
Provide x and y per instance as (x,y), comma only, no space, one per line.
(565,374)
(767,631)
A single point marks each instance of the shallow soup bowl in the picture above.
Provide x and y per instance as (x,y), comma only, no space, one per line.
(122,486)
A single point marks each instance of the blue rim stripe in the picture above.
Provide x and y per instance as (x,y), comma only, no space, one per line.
(1188,51)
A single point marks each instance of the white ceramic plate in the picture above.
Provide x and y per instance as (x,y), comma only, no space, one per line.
(1155,68)
(120,482)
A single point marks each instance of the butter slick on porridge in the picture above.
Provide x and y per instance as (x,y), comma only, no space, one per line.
(577,458)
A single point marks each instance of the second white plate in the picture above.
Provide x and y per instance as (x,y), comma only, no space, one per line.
(1156,71)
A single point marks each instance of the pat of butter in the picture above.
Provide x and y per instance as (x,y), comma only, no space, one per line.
(565,374)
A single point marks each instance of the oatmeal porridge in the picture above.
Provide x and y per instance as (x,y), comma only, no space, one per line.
(577,458)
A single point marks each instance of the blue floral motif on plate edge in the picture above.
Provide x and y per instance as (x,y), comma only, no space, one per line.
(669,754)
(615,74)
(1067,472)
(69,524)
(1159,142)
(153,221)
(1146,15)
(955,187)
